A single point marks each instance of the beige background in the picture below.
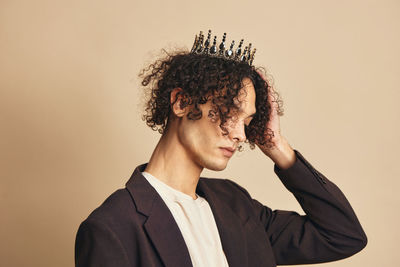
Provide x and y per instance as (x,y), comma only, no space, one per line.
(70,127)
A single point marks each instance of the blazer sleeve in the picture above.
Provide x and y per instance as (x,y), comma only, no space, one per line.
(330,229)
(96,245)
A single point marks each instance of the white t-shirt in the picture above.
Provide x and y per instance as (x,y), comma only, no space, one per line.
(196,222)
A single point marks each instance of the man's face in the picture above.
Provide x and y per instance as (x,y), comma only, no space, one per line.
(203,139)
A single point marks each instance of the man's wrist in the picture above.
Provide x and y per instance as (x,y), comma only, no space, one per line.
(282,154)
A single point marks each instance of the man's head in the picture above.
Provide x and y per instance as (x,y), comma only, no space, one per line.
(210,102)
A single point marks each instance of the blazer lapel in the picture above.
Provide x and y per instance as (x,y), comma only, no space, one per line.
(164,231)
(229,226)
(160,224)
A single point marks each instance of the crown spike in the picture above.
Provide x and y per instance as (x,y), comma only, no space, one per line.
(222,45)
(243,57)
(239,50)
(252,56)
(213,49)
(199,48)
(207,43)
(248,54)
(196,40)
(229,52)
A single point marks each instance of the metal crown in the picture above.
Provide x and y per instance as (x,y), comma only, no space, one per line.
(202,47)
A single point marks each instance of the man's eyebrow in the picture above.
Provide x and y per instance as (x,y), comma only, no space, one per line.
(251,115)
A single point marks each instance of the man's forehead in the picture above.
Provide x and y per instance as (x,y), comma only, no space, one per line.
(246,97)
(247,88)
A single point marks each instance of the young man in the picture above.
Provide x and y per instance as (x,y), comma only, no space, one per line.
(207,102)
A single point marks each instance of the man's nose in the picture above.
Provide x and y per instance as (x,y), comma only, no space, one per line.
(237,131)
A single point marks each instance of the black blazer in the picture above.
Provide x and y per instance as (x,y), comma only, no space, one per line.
(134,227)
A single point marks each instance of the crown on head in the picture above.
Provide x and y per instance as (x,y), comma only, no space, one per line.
(203,47)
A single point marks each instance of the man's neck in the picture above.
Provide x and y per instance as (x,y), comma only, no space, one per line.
(171,164)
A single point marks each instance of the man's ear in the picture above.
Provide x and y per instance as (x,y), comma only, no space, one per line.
(177,100)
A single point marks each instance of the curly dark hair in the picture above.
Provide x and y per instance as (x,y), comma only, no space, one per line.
(202,78)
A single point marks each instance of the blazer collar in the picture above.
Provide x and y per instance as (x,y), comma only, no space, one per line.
(164,231)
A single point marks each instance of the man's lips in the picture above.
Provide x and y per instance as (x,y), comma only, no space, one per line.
(231,149)
(228,151)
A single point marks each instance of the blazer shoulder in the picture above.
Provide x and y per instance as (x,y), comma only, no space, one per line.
(231,193)
(226,188)
(118,207)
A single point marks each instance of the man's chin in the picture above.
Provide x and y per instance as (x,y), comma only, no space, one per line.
(217,166)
